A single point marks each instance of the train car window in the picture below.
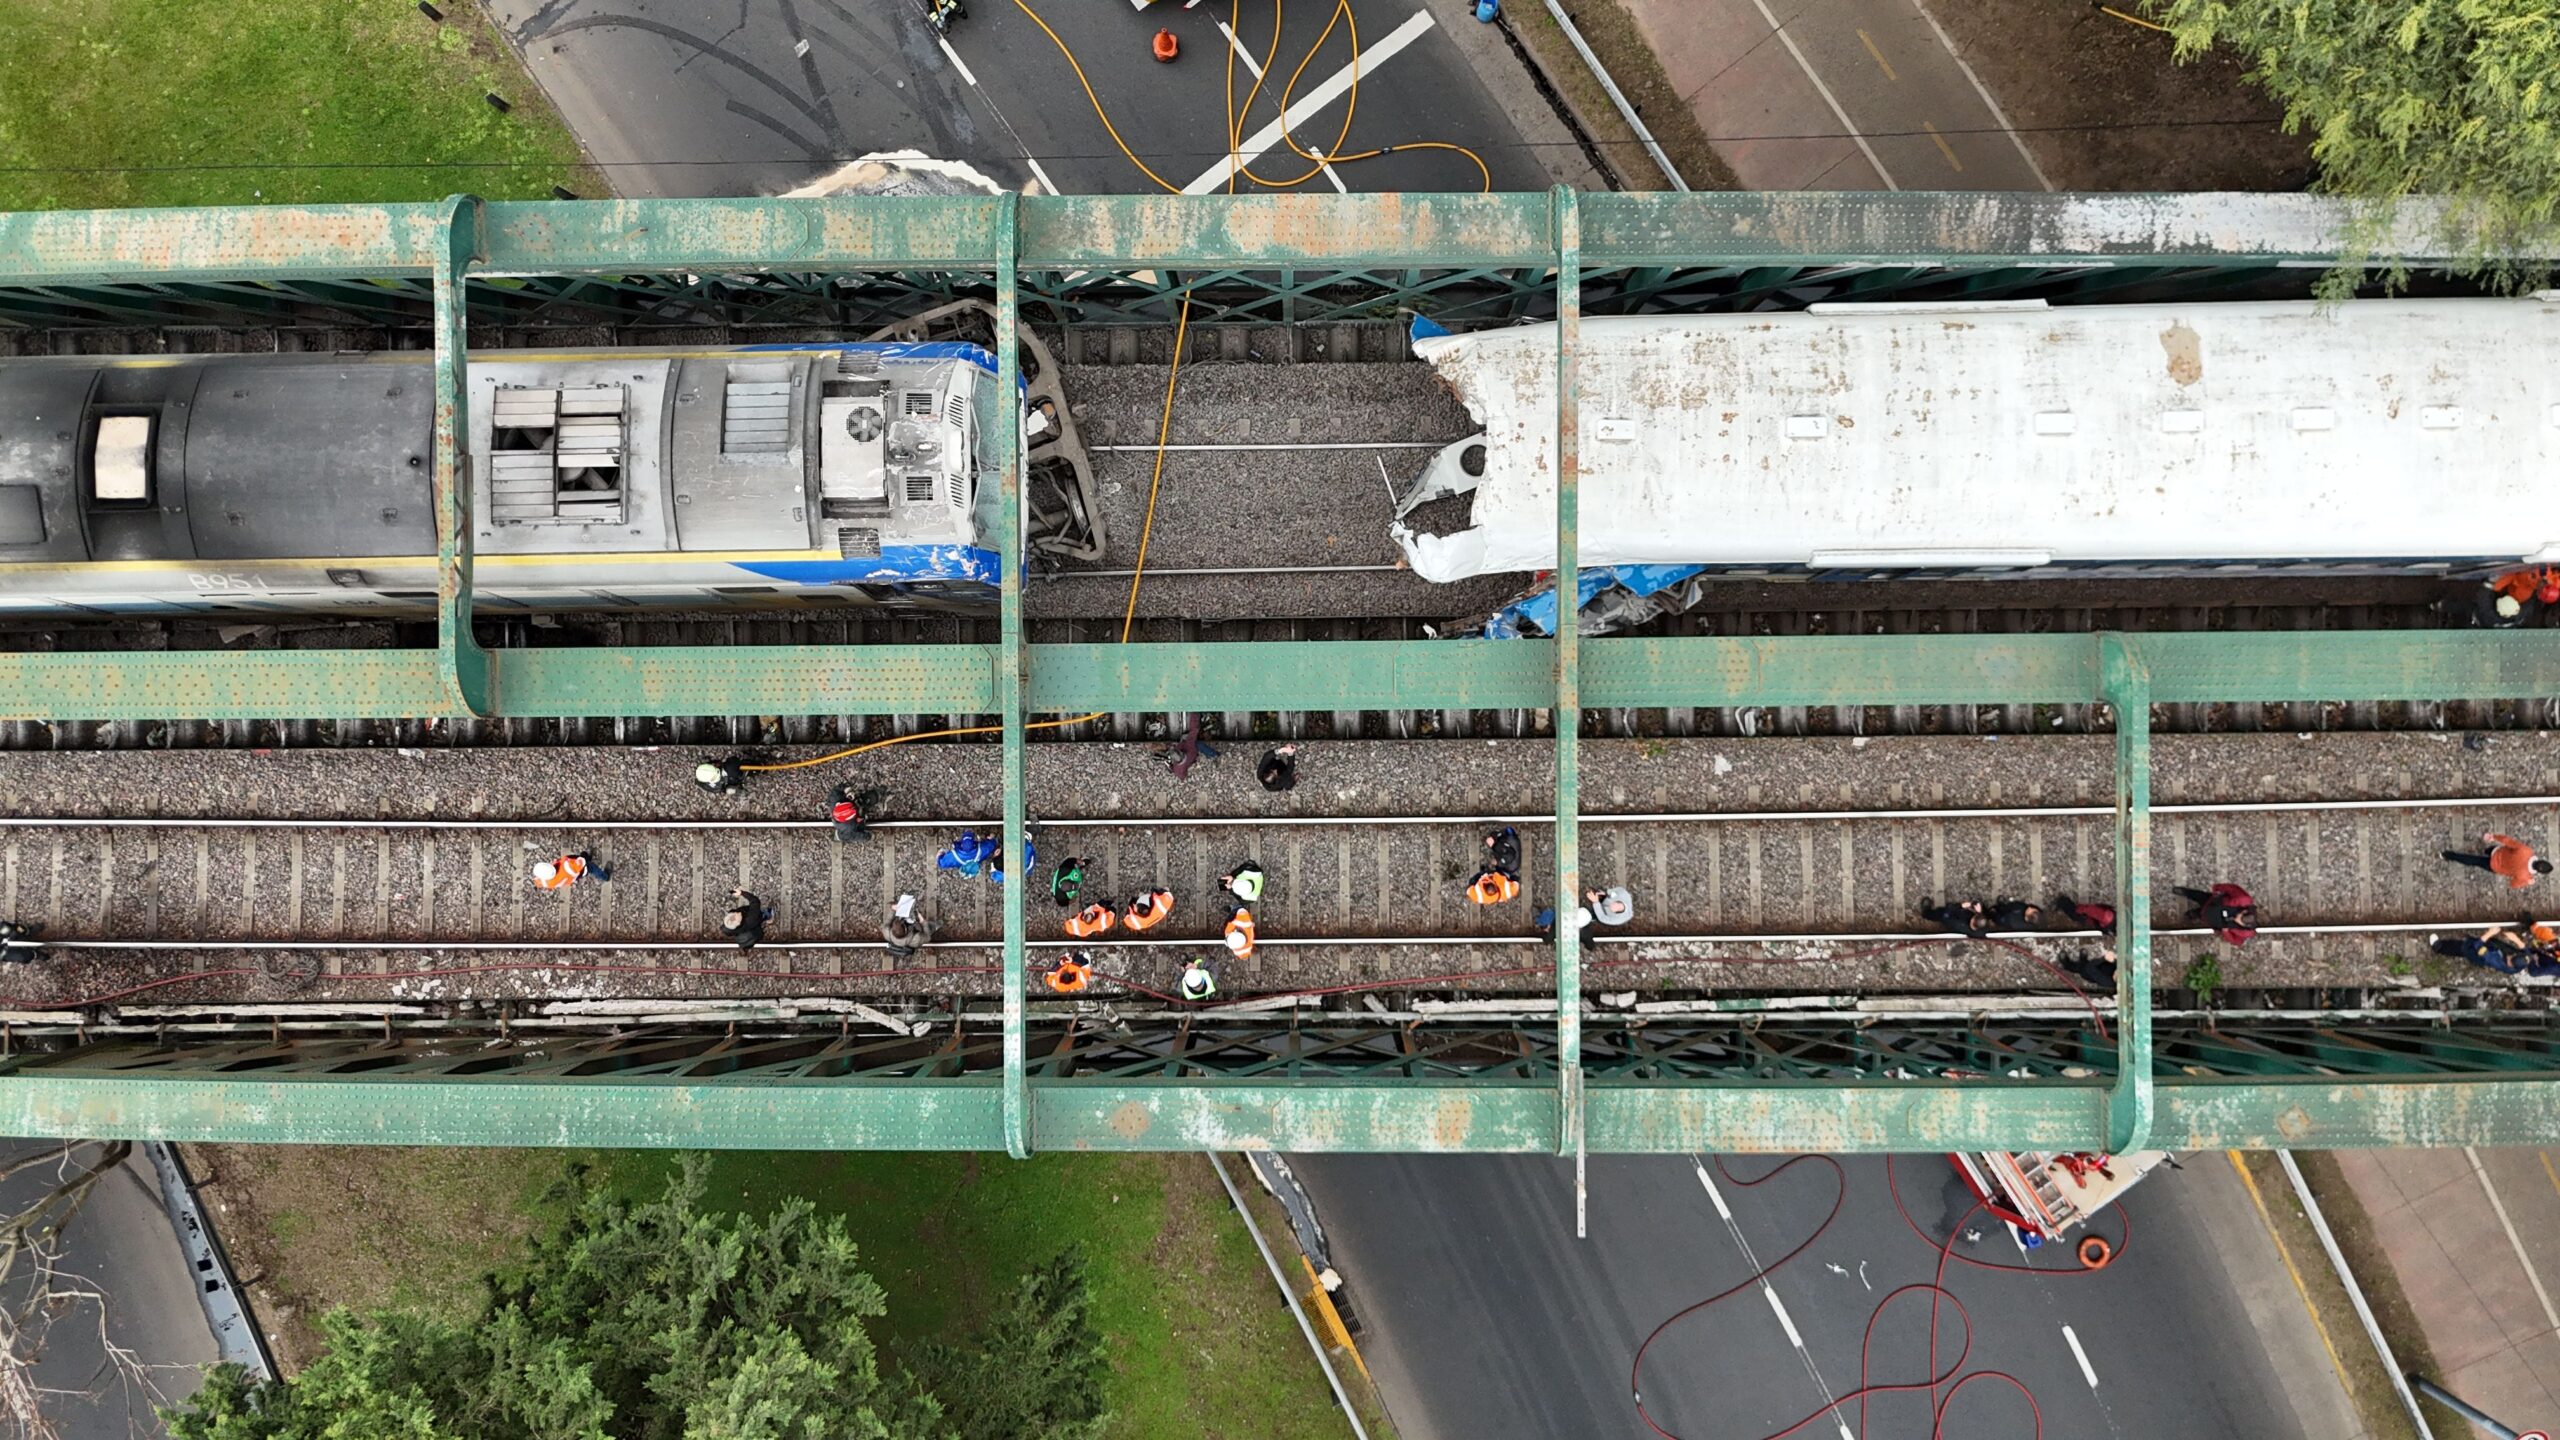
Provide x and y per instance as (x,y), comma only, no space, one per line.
(22,515)
(746,589)
(120,460)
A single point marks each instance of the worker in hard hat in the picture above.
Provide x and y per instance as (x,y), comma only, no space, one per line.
(1148,908)
(1240,934)
(724,776)
(1241,887)
(1198,981)
(1094,919)
(567,870)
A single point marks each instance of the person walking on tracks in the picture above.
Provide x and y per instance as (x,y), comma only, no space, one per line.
(1189,751)
(1071,975)
(1582,932)
(2008,914)
(2098,967)
(18,942)
(1498,879)
(1279,768)
(1240,934)
(1199,982)
(568,870)
(1968,918)
(852,811)
(724,776)
(2230,912)
(2101,918)
(1094,919)
(1148,908)
(1241,888)
(906,931)
(1066,882)
(744,920)
(1615,905)
(2496,948)
(2507,857)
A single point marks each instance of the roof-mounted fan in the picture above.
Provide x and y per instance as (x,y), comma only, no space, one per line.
(863,422)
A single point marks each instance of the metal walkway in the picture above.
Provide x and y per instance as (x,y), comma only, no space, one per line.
(846,264)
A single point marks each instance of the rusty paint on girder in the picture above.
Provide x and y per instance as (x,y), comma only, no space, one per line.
(59,247)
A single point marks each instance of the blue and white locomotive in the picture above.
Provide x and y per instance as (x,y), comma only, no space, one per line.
(599,478)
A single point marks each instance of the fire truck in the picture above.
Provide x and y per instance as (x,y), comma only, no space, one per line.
(2044,1195)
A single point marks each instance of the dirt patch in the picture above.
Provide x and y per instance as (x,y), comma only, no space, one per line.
(2104,106)
(314,1227)
(1612,35)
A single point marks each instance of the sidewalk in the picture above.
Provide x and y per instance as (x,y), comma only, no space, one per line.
(2474,1237)
(1858,95)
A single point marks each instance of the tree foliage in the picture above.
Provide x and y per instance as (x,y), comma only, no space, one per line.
(2401,98)
(1036,1373)
(658,1320)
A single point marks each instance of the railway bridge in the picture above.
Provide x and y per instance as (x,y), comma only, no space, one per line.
(285,878)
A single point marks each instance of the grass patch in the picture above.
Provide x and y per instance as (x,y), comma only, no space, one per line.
(110,103)
(1200,1341)
(1201,1344)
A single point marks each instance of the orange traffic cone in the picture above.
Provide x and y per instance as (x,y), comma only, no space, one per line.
(1166,47)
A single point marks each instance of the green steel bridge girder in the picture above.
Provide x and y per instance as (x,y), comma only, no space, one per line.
(966,1113)
(1321,675)
(1314,253)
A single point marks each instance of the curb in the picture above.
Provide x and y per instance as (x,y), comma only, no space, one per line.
(236,1336)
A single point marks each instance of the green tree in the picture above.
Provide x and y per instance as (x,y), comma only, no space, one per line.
(658,1320)
(1036,1372)
(2403,98)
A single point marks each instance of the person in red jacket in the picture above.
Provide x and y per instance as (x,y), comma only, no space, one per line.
(2507,857)
(2229,911)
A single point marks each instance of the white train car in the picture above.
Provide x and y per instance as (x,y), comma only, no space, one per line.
(2014,439)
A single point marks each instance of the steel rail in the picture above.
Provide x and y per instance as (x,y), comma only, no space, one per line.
(1151,942)
(1646,817)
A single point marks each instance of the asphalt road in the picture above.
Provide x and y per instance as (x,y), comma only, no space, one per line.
(122,1245)
(761,96)
(1487,1320)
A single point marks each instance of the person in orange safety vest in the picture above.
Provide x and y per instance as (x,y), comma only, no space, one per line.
(1240,934)
(1094,919)
(1149,909)
(568,870)
(1072,973)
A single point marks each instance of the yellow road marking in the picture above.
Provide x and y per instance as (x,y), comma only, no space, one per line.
(1943,147)
(2545,1156)
(1870,43)
(2291,1269)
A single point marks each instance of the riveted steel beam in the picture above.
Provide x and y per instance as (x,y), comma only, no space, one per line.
(465,666)
(1326,675)
(1568,674)
(1012,663)
(2127,689)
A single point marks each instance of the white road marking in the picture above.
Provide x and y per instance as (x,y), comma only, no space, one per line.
(1241,53)
(2509,1226)
(1786,1322)
(1041,175)
(2082,1356)
(1769,1292)
(1314,101)
(1827,97)
(1987,102)
(959,64)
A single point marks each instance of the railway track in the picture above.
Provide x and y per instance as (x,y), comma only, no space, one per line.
(1729,901)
